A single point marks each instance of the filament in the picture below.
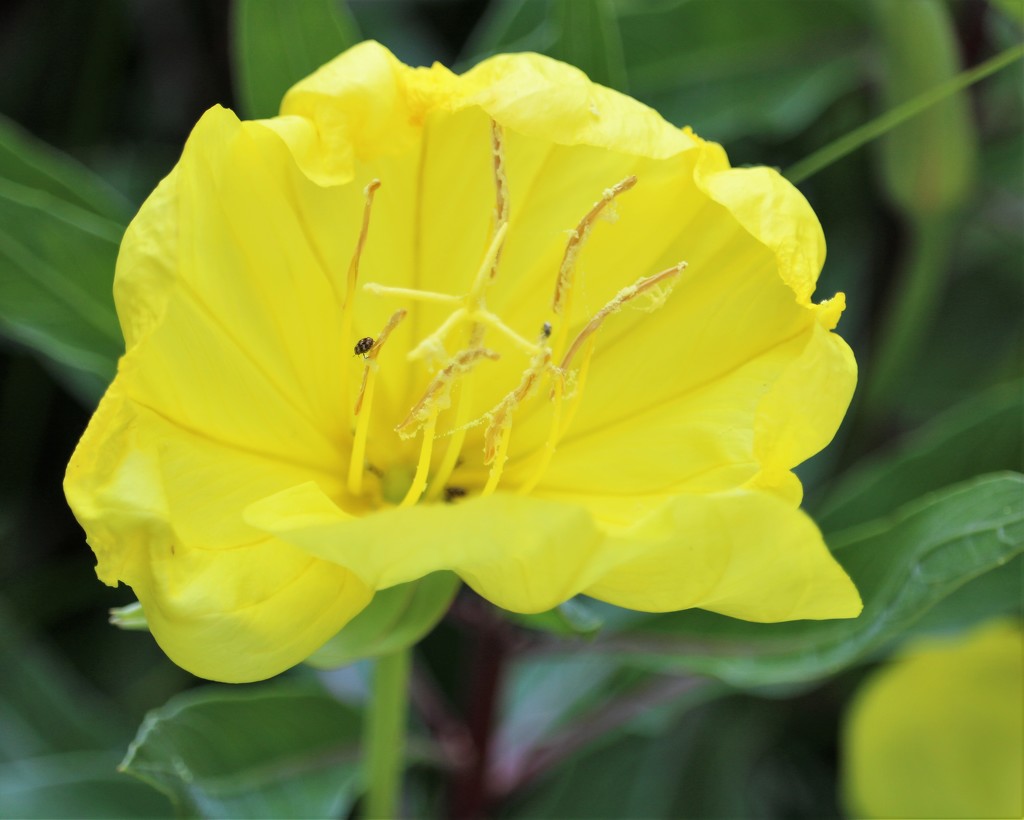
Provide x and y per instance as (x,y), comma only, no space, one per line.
(419,481)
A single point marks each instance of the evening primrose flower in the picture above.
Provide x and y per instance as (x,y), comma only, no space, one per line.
(940,731)
(510,324)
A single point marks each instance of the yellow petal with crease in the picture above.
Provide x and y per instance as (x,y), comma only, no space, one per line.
(223,600)
(524,554)
(744,553)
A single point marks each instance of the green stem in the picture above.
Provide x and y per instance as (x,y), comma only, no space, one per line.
(385,734)
(838,149)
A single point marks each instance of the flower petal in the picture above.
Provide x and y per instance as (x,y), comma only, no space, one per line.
(939,732)
(745,554)
(365,103)
(223,601)
(523,554)
(800,413)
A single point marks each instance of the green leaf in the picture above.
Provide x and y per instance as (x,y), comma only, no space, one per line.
(278,43)
(903,566)
(509,26)
(929,163)
(980,435)
(46,706)
(77,784)
(268,750)
(396,619)
(589,38)
(60,227)
(573,619)
(732,68)
(34,164)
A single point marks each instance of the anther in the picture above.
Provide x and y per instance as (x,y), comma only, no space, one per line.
(625,295)
(436,396)
(577,238)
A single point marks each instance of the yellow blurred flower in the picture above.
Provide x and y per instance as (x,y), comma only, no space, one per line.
(940,732)
(561,406)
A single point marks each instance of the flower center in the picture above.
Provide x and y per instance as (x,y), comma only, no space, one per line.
(552,357)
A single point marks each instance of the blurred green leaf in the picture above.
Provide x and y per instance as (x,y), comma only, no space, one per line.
(45,704)
(56,273)
(60,227)
(929,163)
(732,68)
(588,38)
(77,784)
(981,435)
(269,750)
(729,758)
(34,164)
(1014,9)
(396,618)
(729,68)
(276,44)
(511,26)
(903,566)
(575,618)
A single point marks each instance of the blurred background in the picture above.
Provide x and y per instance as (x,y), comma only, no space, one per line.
(590,712)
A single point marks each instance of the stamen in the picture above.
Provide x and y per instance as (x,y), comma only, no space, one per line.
(563,286)
(488,267)
(348,307)
(500,188)
(437,392)
(499,427)
(615,305)
(357,459)
(554,434)
(412,294)
(371,354)
(557,427)
(493,320)
(451,455)
(474,301)
(499,459)
(419,481)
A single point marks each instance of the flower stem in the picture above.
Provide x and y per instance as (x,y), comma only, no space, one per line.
(835,151)
(384,736)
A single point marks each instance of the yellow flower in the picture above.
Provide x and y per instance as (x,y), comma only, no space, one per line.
(602,362)
(940,732)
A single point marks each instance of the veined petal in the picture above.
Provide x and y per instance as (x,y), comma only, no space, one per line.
(744,553)
(221,599)
(524,554)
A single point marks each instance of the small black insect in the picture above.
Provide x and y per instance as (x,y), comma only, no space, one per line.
(363,346)
(545,330)
(451,493)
